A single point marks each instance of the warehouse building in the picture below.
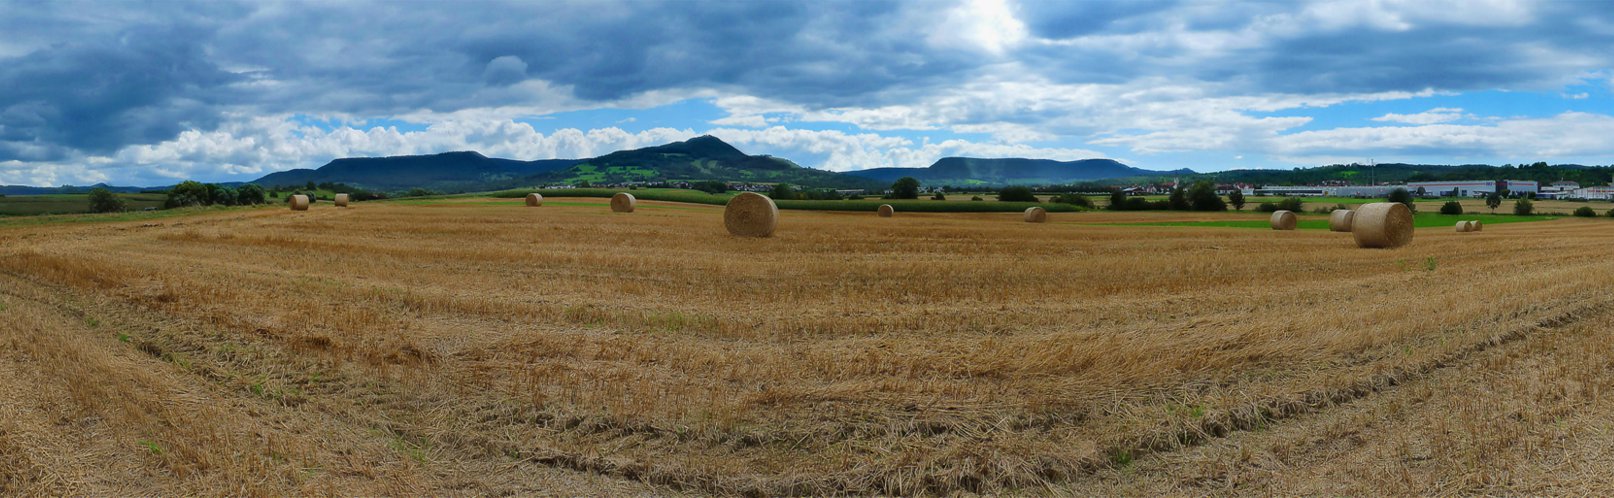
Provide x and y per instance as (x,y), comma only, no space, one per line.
(1479,188)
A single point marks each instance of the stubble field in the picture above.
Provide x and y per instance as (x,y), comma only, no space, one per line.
(475,346)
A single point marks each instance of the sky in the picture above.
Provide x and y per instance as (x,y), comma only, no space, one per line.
(153,92)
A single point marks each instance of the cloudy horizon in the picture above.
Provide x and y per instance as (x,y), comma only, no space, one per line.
(153,93)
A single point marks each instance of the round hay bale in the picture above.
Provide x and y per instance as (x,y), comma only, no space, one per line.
(1036,215)
(623,202)
(1465,226)
(1283,220)
(341,200)
(1476,226)
(535,200)
(751,215)
(299,203)
(886,210)
(1382,225)
(1340,220)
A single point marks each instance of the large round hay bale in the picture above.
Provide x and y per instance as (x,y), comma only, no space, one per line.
(534,200)
(623,202)
(1465,226)
(1283,220)
(1382,225)
(1476,226)
(1340,220)
(341,200)
(299,203)
(1036,215)
(751,215)
(886,210)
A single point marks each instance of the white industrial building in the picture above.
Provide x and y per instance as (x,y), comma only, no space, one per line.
(1593,193)
(1477,188)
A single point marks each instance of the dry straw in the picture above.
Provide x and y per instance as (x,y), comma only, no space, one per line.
(1036,215)
(886,210)
(623,202)
(1283,220)
(341,200)
(299,203)
(751,215)
(1382,225)
(1465,226)
(1340,220)
(535,200)
(1476,225)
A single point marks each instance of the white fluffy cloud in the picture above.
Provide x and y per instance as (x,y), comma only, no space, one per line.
(841,151)
(1432,116)
(1570,134)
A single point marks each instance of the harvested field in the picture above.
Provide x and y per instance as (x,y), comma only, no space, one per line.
(472,346)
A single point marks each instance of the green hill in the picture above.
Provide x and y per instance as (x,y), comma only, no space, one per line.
(700,158)
(1011,171)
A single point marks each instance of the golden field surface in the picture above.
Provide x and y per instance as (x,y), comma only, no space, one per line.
(475,346)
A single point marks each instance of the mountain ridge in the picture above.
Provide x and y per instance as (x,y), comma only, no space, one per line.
(1013,171)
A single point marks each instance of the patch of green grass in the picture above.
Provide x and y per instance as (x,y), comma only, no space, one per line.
(10,221)
(867,204)
(151,446)
(1316,222)
(33,205)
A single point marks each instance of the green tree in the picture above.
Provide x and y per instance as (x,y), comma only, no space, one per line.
(938,196)
(906,187)
(188,193)
(1202,197)
(222,196)
(1017,194)
(1117,200)
(1523,207)
(1237,199)
(1451,207)
(1492,200)
(1585,212)
(104,201)
(1401,195)
(1179,199)
(249,194)
(782,191)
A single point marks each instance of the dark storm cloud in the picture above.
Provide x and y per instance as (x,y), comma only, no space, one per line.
(141,86)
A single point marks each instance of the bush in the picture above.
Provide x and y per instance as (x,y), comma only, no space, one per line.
(1610,213)
(1585,212)
(1017,194)
(1287,204)
(938,197)
(976,198)
(710,186)
(1401,195)
(1523,207)
(104,201)
(1451,207)
(1073,199)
